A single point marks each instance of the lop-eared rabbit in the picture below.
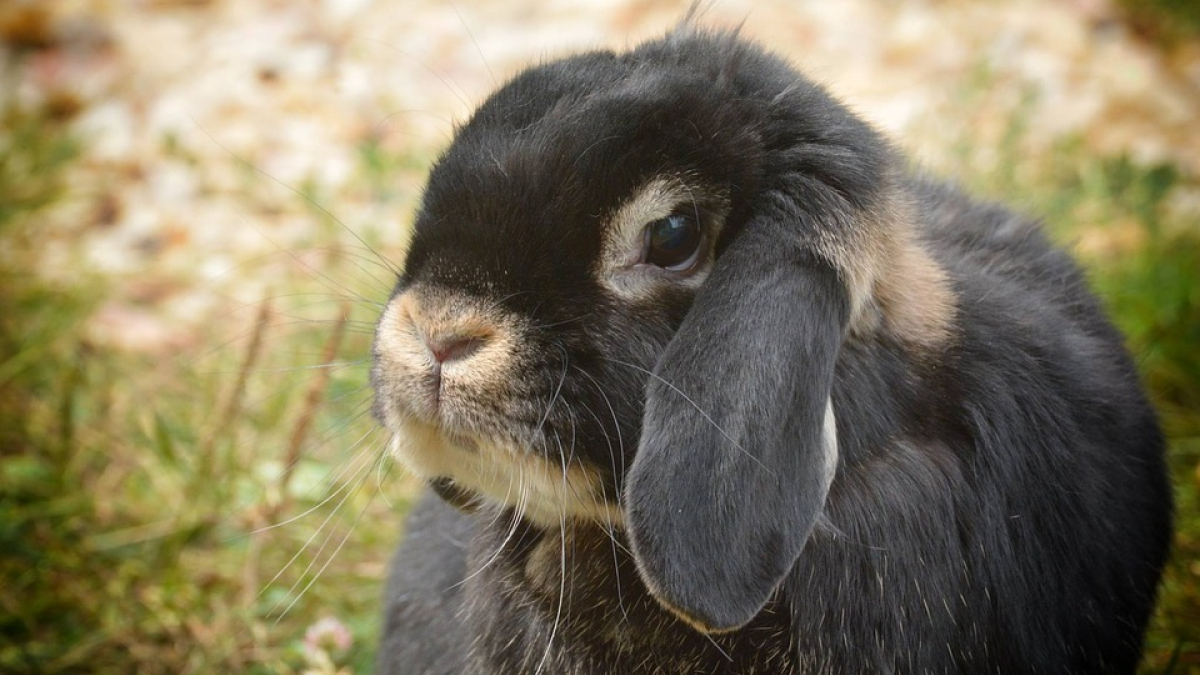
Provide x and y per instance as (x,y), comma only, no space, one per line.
(704,379)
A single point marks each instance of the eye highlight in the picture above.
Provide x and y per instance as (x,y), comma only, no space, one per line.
(673,243)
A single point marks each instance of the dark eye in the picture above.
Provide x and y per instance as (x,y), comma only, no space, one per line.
(673,243)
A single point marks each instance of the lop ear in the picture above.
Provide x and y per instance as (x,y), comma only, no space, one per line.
(738,444)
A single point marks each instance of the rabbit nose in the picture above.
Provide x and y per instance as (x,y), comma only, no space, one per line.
(452,347)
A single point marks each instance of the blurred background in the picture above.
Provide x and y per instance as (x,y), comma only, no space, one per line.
(203,202)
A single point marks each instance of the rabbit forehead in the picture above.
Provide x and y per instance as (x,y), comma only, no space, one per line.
(522,224)
(566,147)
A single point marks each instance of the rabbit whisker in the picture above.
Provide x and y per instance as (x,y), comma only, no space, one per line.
(315,299)
(327,499)
(506,298)
(381,474)
(713,641)
(610,531)
(564,322)
(562,570)
(380,127)
(326,436)
(300,193)
(332,555)
(457,91)
(558,390)
(471,35)
(573,420)
(369,277)
(326,281)
(364,471)
(567,365)
(337,365)
(514,523)
(357,483)
(608,527)
(616,425)
(351,251)
(589,148)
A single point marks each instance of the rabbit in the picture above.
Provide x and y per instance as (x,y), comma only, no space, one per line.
(704,378)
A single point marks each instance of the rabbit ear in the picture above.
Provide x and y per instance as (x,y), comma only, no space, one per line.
(738,445)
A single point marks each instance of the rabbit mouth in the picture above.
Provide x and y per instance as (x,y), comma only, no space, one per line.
(484,464)
(505,473)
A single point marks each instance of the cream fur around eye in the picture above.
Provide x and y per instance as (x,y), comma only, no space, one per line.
(625,237)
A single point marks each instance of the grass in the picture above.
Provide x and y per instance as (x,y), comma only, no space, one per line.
(134,488)
(1169,23)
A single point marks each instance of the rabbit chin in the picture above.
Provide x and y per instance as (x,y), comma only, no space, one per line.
(507,474)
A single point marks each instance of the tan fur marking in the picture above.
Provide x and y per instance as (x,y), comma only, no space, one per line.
(688,619)
(444,315)
(893,282)
(404,360)
(915,298)
(623,234)
(543,567)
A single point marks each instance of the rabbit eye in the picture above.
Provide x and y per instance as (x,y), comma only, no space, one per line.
(673,243)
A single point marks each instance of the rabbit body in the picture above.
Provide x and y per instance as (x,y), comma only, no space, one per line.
(884,428)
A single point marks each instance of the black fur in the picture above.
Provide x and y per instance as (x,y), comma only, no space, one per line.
(1000,503)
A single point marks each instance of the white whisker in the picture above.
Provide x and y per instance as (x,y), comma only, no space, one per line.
(365,470)
(327,499)
(328,560)
(514,524)
(562,570)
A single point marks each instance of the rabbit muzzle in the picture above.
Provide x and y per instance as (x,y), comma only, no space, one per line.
(448,386)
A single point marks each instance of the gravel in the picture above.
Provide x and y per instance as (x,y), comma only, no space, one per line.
(203,121)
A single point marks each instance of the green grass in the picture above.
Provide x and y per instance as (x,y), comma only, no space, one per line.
(1154,294)
(131,485)
(1168,23)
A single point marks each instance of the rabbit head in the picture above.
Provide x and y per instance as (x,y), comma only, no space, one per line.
(630,279)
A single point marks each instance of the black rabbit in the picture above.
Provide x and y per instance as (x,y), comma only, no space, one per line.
(708,382)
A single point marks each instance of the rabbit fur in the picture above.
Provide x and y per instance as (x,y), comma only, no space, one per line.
(875,426)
